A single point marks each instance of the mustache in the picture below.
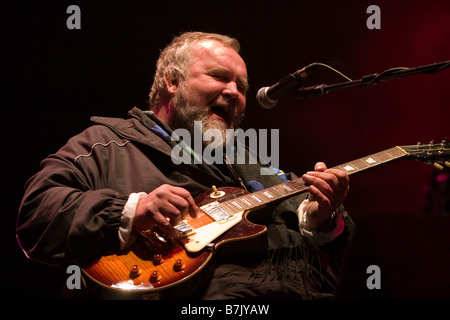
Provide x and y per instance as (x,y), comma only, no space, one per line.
(186,112)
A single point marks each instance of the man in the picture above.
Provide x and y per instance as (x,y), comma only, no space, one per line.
(118,178)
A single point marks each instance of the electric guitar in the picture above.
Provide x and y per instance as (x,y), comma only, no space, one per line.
(157,262)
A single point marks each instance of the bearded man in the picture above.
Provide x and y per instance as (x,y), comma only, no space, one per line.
(118,178)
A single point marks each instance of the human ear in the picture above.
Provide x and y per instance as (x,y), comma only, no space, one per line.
(171,80)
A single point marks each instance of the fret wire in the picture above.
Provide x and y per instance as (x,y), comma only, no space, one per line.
(236,204)
(384,156)
(250,200)
(256,197)
(294,186)
(281,191)
(275,192)
(287,188)
(228,205)
(271,196)
(396,152)
(360,164)
(262,195)
(244,204)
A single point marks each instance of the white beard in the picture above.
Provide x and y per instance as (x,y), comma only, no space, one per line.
(186,114)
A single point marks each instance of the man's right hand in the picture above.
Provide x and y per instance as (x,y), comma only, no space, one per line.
(164,207)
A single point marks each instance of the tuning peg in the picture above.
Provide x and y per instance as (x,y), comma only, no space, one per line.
(438,166)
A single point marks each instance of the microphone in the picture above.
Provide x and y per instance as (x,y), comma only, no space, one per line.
(267,97)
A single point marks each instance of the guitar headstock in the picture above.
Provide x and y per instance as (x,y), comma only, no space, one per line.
(437,154)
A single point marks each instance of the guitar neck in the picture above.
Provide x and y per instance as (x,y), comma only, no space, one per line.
(373,160)
(297,186)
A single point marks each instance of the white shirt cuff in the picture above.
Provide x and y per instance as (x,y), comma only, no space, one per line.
(126,237)
(321,237)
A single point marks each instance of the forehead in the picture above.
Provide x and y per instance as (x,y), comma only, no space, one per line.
(211,53)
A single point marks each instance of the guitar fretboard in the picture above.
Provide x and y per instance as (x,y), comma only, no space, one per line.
(373,160)
(260,198)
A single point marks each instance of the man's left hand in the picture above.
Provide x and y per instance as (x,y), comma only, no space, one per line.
(327,191)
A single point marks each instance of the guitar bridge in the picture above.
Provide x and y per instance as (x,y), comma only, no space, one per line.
(184,229)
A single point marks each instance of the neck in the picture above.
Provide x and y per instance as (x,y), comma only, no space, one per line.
(164,112)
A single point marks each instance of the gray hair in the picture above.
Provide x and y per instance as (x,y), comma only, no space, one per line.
(175,60)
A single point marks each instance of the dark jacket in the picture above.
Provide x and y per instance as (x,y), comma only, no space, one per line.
(72,207)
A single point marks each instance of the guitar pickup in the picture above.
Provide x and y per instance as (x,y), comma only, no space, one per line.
(184,229)
(216,211)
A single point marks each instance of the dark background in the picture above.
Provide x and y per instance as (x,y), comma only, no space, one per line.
(54,79)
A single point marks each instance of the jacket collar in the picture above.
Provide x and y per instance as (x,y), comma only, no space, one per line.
(136,128)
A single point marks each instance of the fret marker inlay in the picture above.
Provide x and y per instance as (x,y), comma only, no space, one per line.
(348,168)
(370,160)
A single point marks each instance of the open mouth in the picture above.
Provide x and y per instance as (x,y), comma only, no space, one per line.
(220,111)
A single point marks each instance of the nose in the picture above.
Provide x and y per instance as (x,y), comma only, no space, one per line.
(231,90)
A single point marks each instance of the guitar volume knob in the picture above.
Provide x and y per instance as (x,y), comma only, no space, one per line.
(157,259)
(155,276)
(179,265)
(135,271)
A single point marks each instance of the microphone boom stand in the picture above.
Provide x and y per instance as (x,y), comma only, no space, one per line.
(368,80)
